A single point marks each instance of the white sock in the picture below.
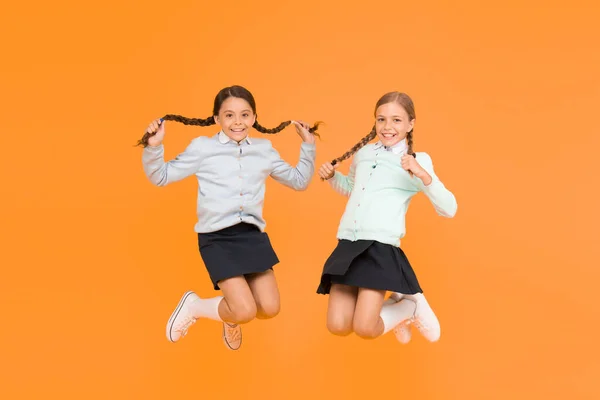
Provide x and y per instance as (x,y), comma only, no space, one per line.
(396,296)
(389,300)
(207,308)
(393,314)
(415,297)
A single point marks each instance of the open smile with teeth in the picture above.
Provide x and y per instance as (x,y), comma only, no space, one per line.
(238,130)
(389,135)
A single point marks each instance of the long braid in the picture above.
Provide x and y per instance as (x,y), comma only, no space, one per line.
(409,142)
(282,126)
(409,151)
(178,118)
(190,121)
(211,121)
(277,129)
(356,147)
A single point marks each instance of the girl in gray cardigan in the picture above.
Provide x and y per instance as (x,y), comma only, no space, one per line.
(231,169)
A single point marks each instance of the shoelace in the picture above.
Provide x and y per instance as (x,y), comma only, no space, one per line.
(417,322)
(232,334)
(420,326)
(404,325)
(184,325)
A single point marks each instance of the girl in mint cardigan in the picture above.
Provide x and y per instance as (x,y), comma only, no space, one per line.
(368,260)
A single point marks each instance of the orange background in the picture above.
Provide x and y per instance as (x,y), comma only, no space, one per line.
(94,258)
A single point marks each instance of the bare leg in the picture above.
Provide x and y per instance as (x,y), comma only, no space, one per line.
(340,310)
(238,305)
(266,294)
(373,318)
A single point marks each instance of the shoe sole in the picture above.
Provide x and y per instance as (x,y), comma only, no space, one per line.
(434,318)
(426,332)
(227,343)
(175,314)
(407,339)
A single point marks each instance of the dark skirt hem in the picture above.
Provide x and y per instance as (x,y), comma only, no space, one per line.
(239,250)
(369,264)
(327,282)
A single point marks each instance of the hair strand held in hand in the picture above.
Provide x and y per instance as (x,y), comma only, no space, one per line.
(224,94)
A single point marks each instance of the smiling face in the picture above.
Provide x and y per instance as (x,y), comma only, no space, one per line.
(236,118)
(392,123)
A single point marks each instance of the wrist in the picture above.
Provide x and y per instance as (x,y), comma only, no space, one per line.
(425,177)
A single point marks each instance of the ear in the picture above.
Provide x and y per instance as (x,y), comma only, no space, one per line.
(411,125)
(254,119)
(216,118)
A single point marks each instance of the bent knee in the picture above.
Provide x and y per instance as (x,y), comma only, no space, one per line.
(339,326)
(268,310)
(366,330)
(243,312)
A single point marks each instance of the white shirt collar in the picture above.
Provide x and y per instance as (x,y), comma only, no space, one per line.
(399,148)
(224,139)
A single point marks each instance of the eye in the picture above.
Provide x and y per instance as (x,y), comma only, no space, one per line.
(379,119)
(228,115)
(397,120)
(245,115)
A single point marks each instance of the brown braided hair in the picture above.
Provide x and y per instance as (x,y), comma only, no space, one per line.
(356,147)
(224,94)
(405,102)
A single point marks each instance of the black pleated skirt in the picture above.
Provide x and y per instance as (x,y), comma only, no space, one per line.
(239,250)
(369,264)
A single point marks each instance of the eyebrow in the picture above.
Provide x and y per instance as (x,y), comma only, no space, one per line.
(393,116)
(232,111)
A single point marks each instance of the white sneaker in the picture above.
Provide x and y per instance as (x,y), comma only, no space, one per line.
(424,318)
(182,318)
(232,335)
(402,332)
